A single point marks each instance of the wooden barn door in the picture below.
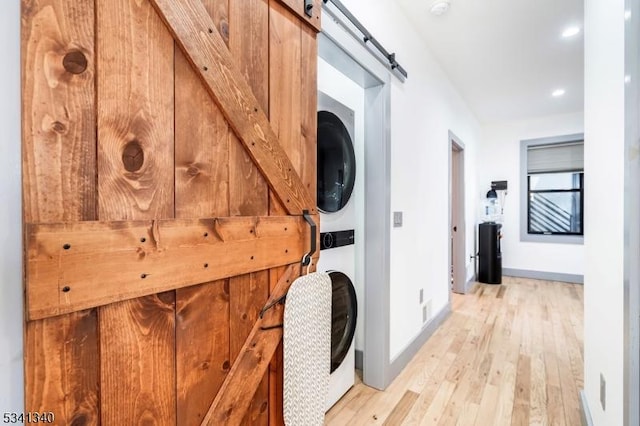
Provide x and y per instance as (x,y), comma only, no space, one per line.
(168,155)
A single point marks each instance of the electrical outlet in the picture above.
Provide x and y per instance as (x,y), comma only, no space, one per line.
(603,392)
(426,312)
(421,296)
(397,219)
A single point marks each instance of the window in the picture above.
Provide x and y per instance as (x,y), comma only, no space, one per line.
(553,189)
(555,203)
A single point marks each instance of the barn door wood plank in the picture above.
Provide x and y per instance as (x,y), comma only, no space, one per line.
(61,367)
(248,44)
(201,139)
(194,32)
(248,294)
(309,108)
(293,117)
(285,116)
(59,167)
(202,190)
(135,182)
(59,123)
(137,351)
(285,87)
(313,22)
(276,367)
(135,113)
(67,263)
(293,87)
(202,347)
(249,192)
(234,398)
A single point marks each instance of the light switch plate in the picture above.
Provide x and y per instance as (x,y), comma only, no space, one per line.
(397,219)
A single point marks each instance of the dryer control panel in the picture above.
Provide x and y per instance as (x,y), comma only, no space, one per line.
(336,239)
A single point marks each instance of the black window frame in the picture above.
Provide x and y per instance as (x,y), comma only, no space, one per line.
(579,190)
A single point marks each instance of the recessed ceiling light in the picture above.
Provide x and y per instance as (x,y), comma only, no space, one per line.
(627,15)
(570,32)
(439,7)
(557,93)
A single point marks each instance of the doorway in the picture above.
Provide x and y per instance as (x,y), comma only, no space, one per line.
(457,231)
(338,48)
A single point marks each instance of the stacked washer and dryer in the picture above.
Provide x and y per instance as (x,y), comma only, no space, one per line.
(337,190)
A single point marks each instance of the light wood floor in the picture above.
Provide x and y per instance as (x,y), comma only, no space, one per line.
(507,355)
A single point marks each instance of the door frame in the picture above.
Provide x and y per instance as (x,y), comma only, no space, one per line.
(338,45)
(631,286)
(11,268)
(457,253)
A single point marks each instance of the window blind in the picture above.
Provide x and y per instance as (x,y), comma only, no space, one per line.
(564,157)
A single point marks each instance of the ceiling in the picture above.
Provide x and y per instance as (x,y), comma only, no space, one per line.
(506,57)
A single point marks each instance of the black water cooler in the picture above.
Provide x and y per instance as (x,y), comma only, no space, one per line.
(490,257)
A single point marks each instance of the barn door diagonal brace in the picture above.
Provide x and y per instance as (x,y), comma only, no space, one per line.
(194,31)
(234,397)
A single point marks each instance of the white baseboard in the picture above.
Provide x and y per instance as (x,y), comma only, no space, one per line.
(540,275)
(401,361)
(585,414)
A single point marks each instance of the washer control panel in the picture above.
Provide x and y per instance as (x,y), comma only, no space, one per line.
(335,239)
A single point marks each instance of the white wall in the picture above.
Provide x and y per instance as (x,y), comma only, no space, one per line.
(423,110)
(499,159)
(604,208)
(11,382)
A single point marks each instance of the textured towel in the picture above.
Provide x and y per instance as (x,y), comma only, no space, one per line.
(307,349)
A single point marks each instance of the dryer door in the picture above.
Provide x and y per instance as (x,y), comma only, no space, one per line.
(344,313)
(336,163)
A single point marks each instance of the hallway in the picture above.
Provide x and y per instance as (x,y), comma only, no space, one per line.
(509,354)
